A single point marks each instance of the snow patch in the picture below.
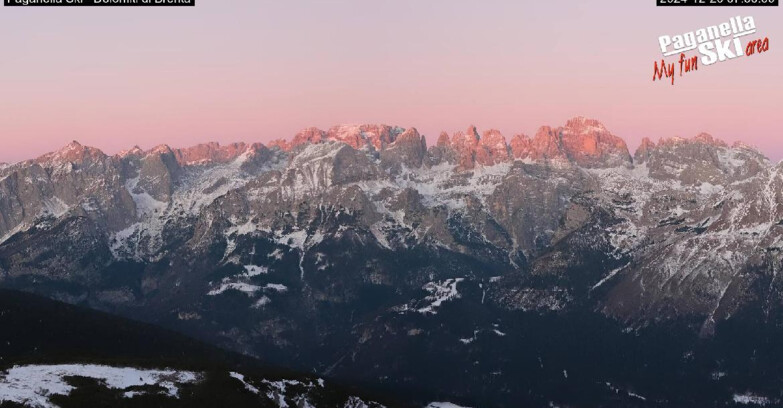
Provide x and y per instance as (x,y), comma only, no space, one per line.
(261,302)
(751,399)
(248,386)
(276,287)
(254,270)
(440,292)
(33,385)
(54,206)
(443,405)
(145,204)
(245,288)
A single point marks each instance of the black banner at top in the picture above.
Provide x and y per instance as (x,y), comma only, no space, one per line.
(94,3)
(718,3)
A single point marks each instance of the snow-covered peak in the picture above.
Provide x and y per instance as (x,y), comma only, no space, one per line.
(582,124)
(73,152)
(134,151)
(160,149)
(210,153)
(702,138)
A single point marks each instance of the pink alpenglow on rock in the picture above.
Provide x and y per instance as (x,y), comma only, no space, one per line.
(212,153)
(492,149)
(376,137)
(589,144)
(582,141)
(642,154)
(73,152)
(472,149)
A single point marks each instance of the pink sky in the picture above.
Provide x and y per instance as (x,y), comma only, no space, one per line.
(254,70)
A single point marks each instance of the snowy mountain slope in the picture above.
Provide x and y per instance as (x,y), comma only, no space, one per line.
(470,194)
(56,355)
(307,245)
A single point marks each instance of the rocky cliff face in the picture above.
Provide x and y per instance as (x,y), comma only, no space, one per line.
(584,142)
(504,204)
(325,240)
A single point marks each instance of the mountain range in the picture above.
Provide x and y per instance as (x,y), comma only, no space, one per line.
(553,270)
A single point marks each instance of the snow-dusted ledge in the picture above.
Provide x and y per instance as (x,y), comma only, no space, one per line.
(33,384)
